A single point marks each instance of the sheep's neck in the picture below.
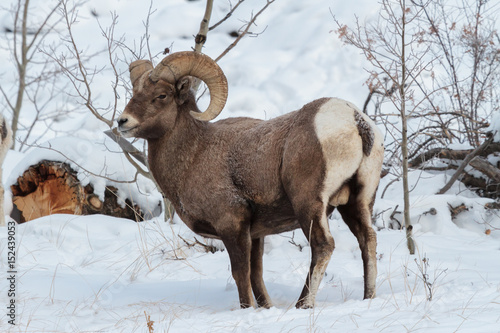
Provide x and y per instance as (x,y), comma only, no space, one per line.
(171,156)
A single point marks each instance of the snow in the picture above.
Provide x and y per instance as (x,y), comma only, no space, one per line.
(495,126)
(103,274)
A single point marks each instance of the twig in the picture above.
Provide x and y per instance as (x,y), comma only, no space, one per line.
(292,241)
(424,276)
(208,248)
(81,68)
(454,211)
(387,186)
(393,218)
(228,15)
(67,158)
(126,146)
(247,28)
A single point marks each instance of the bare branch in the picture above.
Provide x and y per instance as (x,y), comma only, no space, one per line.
(70,17)
(109,35)
(228,15)
(245,31)
(126,146)
(67,158)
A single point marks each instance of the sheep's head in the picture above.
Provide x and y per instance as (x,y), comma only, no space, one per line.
(160,93)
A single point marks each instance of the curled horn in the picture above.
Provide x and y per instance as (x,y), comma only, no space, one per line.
(176,65)
(137,70)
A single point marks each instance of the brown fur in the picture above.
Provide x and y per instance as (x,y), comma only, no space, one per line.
(240,179)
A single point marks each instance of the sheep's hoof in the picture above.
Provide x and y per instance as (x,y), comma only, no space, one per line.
(302,304)
(245,305)
(265,305)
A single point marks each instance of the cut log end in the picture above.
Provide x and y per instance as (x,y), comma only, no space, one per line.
(94,202)
(53,188)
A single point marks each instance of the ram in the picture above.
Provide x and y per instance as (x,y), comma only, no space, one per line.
(241,179)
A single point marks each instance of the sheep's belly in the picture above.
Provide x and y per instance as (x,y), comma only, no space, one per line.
(264,228)
(265,220)
(269,220)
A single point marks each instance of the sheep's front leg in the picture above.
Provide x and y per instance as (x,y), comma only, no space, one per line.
(258,286)
(239,247)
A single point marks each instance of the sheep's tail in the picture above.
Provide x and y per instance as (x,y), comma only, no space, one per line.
(3,129)
(366,133)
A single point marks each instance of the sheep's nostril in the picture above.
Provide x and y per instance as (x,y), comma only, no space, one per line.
(121,121)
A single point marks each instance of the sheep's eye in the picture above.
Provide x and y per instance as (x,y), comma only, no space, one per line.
(162,96)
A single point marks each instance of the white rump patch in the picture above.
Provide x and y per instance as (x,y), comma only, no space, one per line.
(337,132)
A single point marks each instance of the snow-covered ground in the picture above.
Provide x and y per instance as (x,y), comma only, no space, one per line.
(102,274)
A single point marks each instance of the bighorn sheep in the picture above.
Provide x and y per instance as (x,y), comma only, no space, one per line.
(241,179)
(5,143)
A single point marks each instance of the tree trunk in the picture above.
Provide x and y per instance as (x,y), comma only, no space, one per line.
(201,37)
(404,143)
(21,70)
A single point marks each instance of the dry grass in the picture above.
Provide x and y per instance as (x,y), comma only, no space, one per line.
(149,323)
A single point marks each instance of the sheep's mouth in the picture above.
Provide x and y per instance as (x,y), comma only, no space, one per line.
(126,131)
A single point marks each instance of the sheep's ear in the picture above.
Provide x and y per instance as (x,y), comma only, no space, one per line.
(183,87)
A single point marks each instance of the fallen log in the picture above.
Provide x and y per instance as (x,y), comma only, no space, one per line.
(464,164)
(487,186)
(486,168)
(450,154)
(51,187)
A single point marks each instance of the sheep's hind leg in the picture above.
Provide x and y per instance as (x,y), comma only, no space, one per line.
(315,226)
(357,215)
(258,286)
